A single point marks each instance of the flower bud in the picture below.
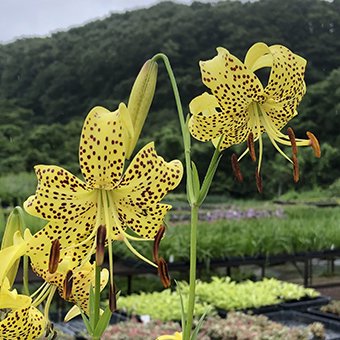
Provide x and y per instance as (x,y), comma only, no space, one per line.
(140,100)
(15,223)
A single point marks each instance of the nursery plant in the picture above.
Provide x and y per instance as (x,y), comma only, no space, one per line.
(119,198)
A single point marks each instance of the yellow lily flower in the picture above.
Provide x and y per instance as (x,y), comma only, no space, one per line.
(241,108)
(23,321)
(175,336)
(76,209)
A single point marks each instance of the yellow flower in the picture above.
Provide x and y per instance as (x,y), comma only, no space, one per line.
(23,321)
(122,202)
(241,108)
(175,336)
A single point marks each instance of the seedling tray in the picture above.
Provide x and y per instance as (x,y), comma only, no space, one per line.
(305,303)
(293,318)
(318,312)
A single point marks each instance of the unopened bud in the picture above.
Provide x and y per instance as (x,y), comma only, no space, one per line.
(140,99)
(258,181)
(314,143)
(15,223)
(100,245)
(236,168)
(54,256)
(295,169)
(67,285)
(158,237)
(251,146)
(164,273)
(292,139)
(112,298)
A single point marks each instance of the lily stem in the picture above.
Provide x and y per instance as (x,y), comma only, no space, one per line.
(25,276)
(192,279)
(96,296)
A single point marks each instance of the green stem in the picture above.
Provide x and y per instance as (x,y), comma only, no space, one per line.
(192,280)
(26,290)
(96,296)
(184,127)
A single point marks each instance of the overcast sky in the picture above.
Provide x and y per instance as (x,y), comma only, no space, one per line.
(22,18)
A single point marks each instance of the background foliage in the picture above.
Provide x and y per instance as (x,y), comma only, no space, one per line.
(47,85)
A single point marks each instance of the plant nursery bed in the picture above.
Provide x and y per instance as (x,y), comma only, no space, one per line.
(305,303)
(292,318)
(318,312)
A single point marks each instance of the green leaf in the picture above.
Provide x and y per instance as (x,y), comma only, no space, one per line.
(195,180)
(92,307)
(86,322)
(103,322)
(194,334)
(183,315)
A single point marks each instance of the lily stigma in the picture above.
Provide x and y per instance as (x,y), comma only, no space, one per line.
(126,203)
(240,108)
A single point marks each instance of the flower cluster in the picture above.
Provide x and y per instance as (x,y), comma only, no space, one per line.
(120,201)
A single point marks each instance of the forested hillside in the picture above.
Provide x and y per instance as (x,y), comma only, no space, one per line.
(47,85)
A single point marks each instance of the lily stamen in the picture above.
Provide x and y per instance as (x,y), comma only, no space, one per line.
(54,256)
(100,245)
(164,273)
(251,147)
(156,243)
(258,181)
(314,143)
(295,169)
(112,297)
(236,168)
(292,139)
(67,285)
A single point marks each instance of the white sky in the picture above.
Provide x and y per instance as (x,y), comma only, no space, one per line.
(25,18)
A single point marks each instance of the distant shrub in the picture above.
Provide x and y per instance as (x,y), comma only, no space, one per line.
(15,188)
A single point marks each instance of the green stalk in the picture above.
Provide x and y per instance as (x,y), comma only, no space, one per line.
(192,279)
(96,296)
(26,290)
(184,128)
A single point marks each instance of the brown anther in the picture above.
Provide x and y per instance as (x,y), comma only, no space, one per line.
(251,146)
(295,168)
(236,168)
(158,237)
(67,285)
(100,245)
(258,181)
(314,143)
(164,273)
(292,139)
(112,298)
(54,256)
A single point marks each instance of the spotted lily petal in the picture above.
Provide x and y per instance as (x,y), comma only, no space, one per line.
(59,195)
(103,147)
(145,182)
(25,323)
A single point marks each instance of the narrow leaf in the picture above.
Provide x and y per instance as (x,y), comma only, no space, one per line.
(103,322)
